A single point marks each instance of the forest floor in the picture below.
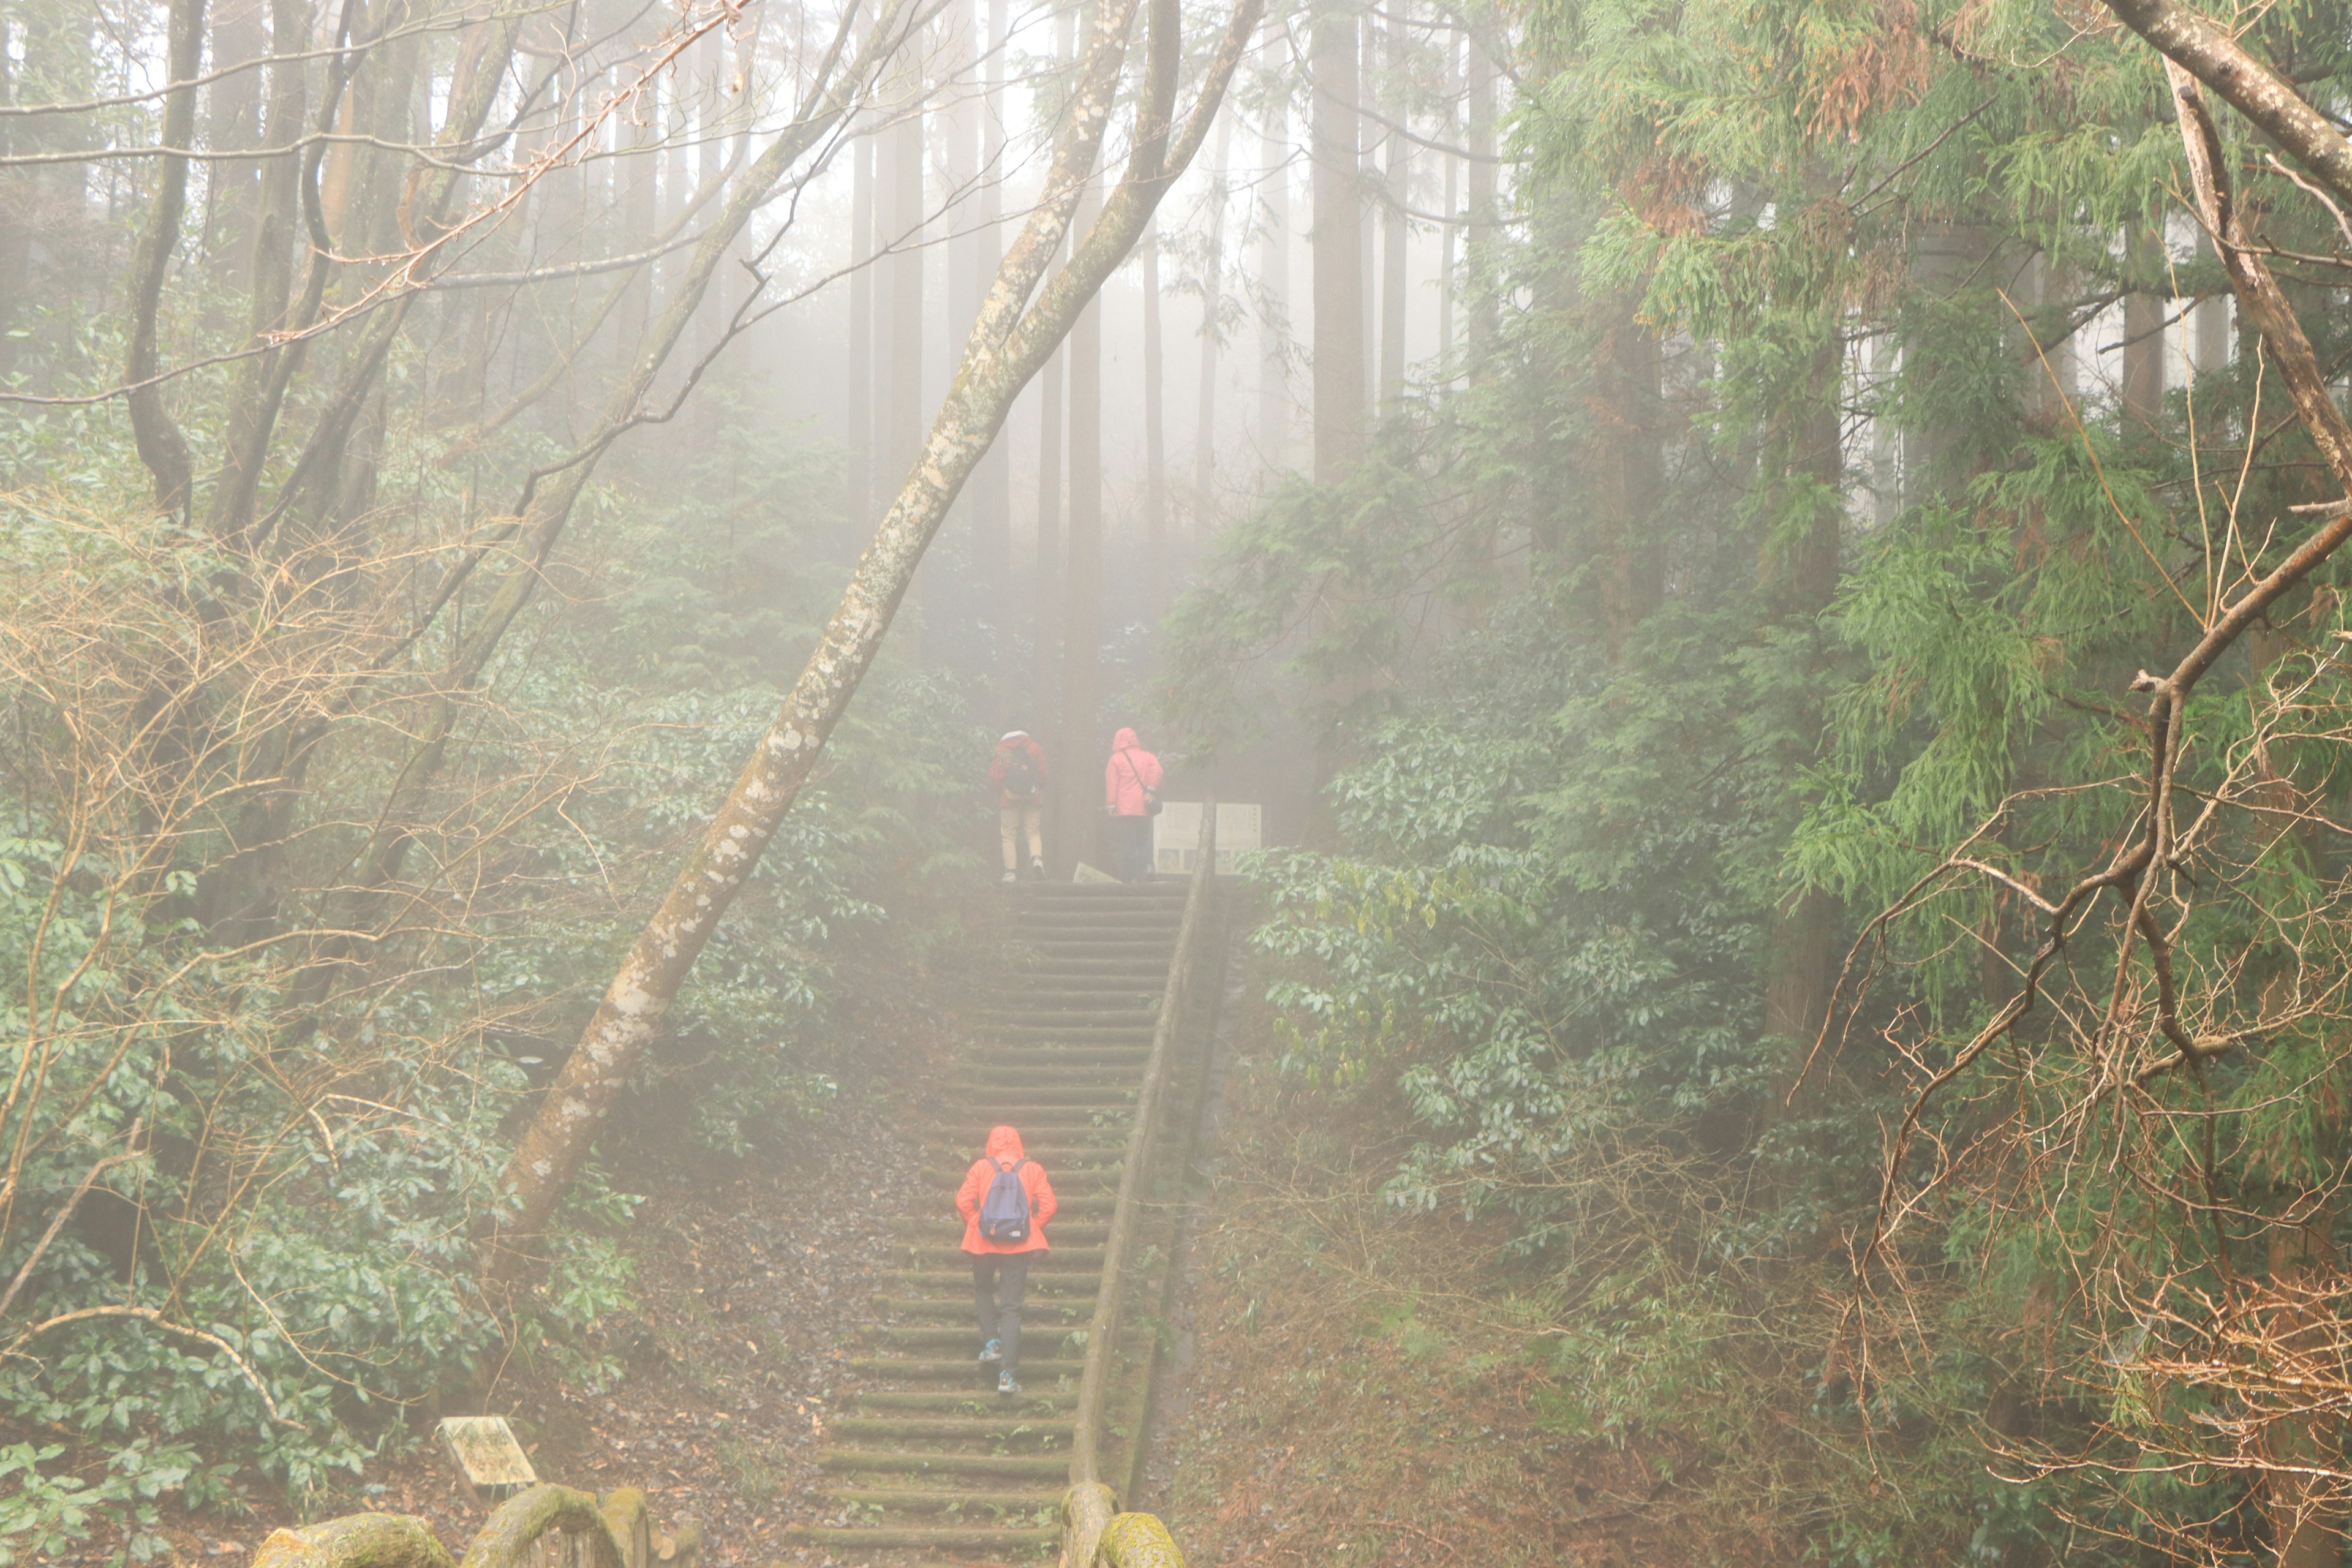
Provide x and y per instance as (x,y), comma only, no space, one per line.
(1357,1386)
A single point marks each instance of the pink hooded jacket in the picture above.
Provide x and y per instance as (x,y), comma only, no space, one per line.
(1005,1144)
(1129,772)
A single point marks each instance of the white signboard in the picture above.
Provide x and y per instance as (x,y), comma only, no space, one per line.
(1176,836)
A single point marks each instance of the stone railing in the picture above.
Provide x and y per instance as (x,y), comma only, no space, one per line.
(542,1526)
(1093,1531)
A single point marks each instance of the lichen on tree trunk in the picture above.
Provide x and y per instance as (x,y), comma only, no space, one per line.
(1138,1541)
(356,1541)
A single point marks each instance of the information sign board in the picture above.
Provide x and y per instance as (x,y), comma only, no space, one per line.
(1176,834)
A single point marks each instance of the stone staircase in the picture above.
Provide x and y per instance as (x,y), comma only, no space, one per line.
(925,1457)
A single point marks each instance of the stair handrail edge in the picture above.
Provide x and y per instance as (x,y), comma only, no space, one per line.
(1086,1522)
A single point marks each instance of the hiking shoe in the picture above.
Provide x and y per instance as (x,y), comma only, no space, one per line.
(1007,1383)
(992,1351)
(1037,868)
(1011,876)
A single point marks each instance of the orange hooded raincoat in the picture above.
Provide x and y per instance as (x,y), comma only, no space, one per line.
(1004,1144)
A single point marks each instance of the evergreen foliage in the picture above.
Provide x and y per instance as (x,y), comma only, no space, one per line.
(1832,518)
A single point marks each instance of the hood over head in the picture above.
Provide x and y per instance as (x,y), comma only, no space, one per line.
(1005,1144)
(1124,740)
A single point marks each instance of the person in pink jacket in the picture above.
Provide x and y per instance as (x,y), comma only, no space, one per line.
(1131,795)
(1000,1269)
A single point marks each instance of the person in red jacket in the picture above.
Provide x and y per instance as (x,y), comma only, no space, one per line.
(1017,769)
(1132,796)
(1000,1269)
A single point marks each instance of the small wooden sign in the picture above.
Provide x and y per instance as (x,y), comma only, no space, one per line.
(490,1461)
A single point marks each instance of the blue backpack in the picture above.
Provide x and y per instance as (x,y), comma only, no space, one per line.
(1004,1212)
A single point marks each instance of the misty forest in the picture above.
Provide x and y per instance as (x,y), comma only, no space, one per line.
(891,783)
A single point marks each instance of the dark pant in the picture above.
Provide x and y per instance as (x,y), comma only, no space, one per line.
(1132,845)
(998,1279)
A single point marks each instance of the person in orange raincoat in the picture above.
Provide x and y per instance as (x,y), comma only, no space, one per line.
(1000,1268)
(1130,799)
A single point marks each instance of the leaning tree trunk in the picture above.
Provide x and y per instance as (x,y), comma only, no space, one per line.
(1007,346)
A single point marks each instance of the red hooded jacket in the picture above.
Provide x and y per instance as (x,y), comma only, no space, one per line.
(1129,772)
(1001,759)
(1004,1144)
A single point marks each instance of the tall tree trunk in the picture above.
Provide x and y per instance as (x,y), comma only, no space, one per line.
(1082,589)
(958,594)
(15,215)
(1338,241)
(233,125)
(1448,276)
(2210,322)
(43,206)
(161,444)
(1213,298)
(1945,256)
(991,481)
(1396,228)
(1155,434)
(1798,575)
(1046,576)
(710,116)
(1274,287)
(1006,349)
(1479,245)
(1627,463)
(2305,1511)
(2143,350)
(259,385)
(858,389)
(901,323)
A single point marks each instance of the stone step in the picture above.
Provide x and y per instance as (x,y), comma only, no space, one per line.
(1046,1097)
(1093,967)
(1062,1235)
(883,1538)
(1069,1313)
(1096,1206)
(1102,947)
(1142,991)
(1154,914)
(1090,976)
(936,1340)
(1099,892)
(960,1368)
(1103,1141)
(1115,1078)
(1129,1058)
(1064,1258)
(1102,1037)
(1006,1466)
(925,1500)
(1059,1018)
(915,1429)
(1093,939)
(1047,1283)
(1071,1178)
(975,1402)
